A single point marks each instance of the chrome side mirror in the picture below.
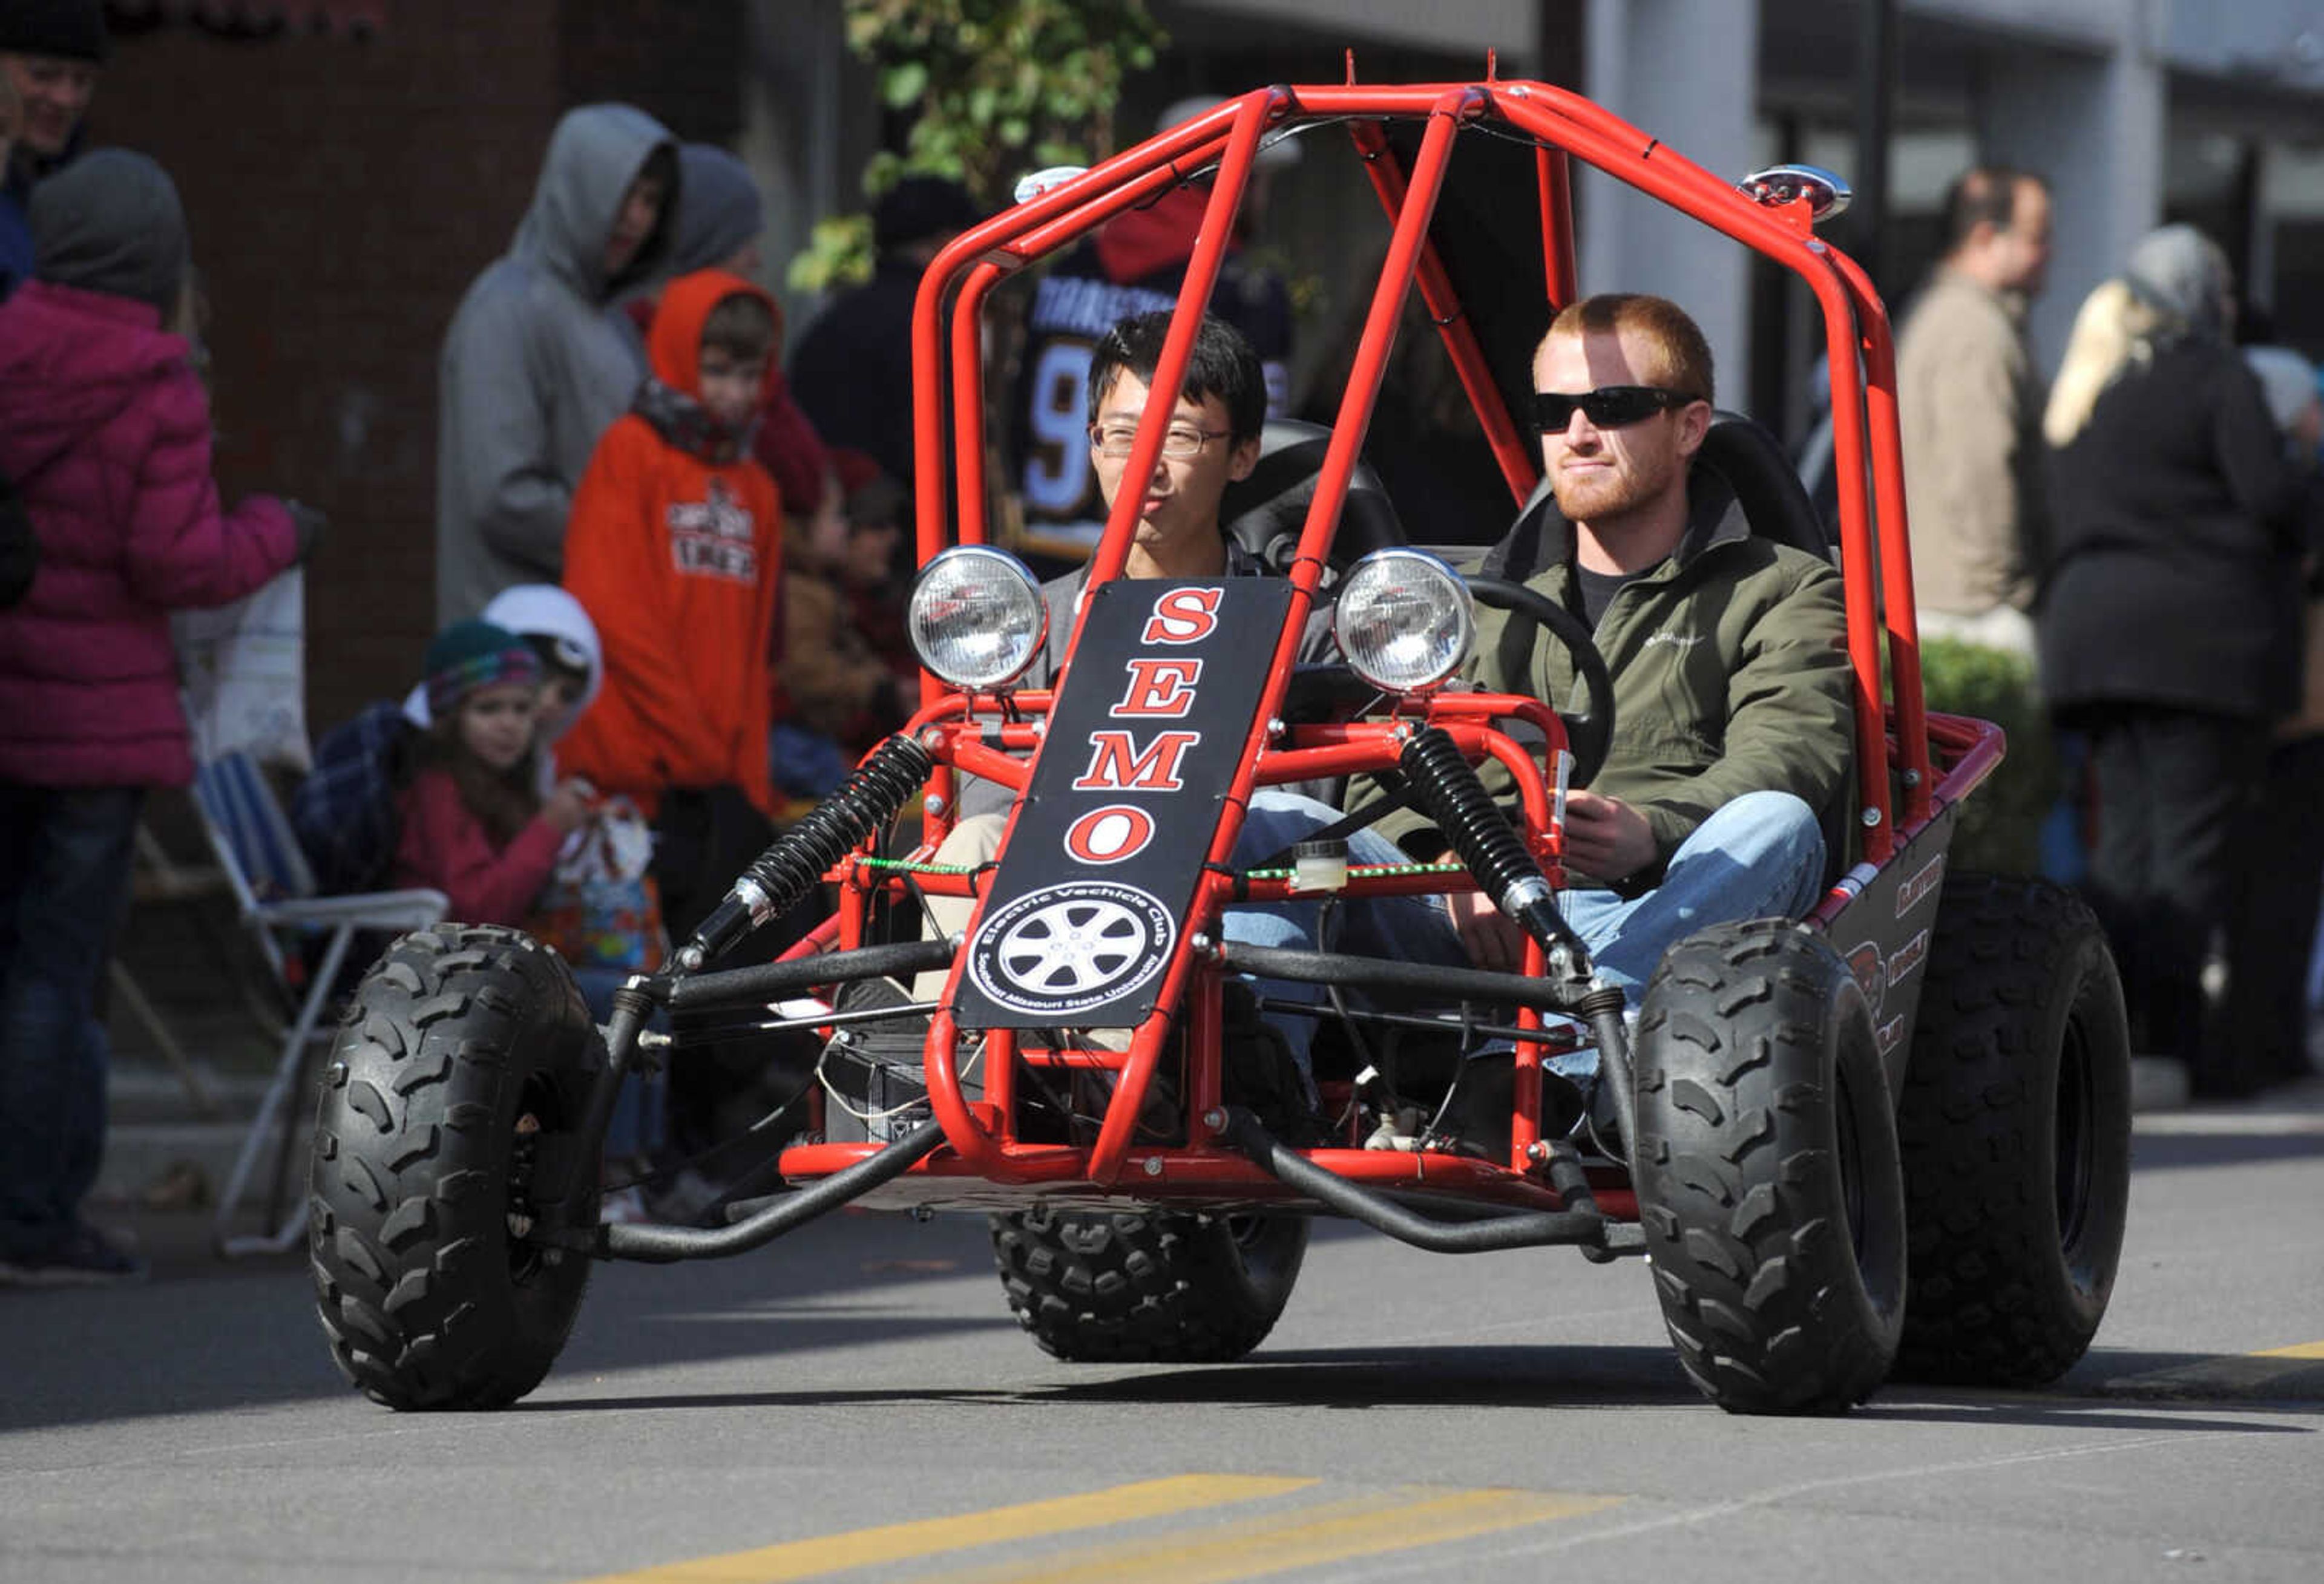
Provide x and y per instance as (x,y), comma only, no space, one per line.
(1826,193)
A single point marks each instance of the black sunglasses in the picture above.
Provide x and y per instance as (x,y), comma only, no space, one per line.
(1609,407)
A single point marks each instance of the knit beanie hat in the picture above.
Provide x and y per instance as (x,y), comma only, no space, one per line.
(473,654)
(72,29)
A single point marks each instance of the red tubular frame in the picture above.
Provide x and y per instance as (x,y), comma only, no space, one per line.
(1862,360)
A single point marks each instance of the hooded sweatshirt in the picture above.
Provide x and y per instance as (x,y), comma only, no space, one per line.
(722,211)
(674,552)
(534,370)
(106,430)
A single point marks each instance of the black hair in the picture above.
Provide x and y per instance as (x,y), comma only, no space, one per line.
(1982,194)
(1222,364)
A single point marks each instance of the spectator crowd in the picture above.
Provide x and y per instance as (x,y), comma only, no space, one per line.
(667,575)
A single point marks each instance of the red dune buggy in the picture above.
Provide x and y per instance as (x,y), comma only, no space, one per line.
(1890,1137)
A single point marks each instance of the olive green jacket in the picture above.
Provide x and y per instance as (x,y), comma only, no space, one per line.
(1730,667)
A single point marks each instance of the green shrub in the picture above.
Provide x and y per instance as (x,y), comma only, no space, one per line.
(2000,829)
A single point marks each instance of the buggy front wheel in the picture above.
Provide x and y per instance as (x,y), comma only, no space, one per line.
(457,1089)
(1767,1172)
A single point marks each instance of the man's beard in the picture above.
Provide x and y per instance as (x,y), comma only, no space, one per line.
(1589,497)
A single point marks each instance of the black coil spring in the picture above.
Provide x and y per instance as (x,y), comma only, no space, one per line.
(1446,787)
(867,799)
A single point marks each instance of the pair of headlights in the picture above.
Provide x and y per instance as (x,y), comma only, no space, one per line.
(1404,619)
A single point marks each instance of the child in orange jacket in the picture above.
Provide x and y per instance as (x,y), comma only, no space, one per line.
(674,548)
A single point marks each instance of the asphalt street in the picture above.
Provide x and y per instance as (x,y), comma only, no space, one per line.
(858,1398)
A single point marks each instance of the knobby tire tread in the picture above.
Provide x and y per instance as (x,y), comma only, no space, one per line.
(1129,1287)
(1996,1299)
(424,1301)
(1760,1290)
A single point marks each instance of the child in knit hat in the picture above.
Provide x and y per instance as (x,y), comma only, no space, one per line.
(474,825)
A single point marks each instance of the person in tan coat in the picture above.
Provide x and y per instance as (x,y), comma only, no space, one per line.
(1970,405)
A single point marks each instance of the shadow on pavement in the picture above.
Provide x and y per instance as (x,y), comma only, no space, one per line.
(1450,1378)
(250,1338)
(2163,1152)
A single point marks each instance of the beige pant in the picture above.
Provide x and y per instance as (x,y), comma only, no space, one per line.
(972,842)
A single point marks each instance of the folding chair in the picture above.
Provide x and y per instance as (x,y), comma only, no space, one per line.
(274,891)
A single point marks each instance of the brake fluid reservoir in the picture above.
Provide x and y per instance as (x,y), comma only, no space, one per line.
(1320,865)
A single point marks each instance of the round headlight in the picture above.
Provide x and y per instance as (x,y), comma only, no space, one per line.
(977,618)
(1404,619)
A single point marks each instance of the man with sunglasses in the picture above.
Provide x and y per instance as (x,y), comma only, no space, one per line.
(1732,735)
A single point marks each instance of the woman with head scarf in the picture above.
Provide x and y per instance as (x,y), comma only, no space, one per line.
(2169,617)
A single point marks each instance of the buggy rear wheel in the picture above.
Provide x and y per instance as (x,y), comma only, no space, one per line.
(457,1083)
(1128,1288)
(2015,1128)
(1767,1170)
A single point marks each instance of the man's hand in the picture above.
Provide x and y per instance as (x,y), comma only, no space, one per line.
(1605,837)
(1490,939)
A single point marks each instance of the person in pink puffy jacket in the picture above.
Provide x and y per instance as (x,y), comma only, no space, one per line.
(106,430)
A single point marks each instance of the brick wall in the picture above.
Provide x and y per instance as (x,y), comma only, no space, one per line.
(342,194)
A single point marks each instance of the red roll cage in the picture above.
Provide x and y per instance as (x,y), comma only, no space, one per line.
(1895,738)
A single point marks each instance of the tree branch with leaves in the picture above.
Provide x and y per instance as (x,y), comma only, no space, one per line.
(994,88)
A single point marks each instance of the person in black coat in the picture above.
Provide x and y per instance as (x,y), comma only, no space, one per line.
(2170,618)
(852,371)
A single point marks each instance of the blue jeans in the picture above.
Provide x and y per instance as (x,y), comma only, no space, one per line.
(1761,856)
(1408,928)
(1277,819)
(64,877)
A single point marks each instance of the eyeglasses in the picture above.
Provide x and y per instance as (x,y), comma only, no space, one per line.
(1180,443)
(1609,407)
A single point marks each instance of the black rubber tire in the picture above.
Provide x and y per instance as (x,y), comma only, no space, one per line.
(1767,1171)
(1151,1288)
(428,1298)
(2015,1128)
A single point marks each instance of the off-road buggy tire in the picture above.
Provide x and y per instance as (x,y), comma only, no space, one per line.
(423,1158)
(2015,1124)
(1148,1288)
(1767,1171)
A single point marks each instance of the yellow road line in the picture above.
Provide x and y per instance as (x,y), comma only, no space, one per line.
(861,1548)
(2291,1372)
(2301,1350)
(1303,1537)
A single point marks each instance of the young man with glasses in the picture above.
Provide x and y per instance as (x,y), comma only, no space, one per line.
(1213,441)
(1732,719)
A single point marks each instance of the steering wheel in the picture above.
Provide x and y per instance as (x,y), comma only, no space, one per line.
(1589,732)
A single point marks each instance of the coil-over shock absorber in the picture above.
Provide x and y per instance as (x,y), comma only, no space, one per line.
(1445,787)
(795,863)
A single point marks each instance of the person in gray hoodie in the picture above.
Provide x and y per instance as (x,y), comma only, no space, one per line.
(533,369)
